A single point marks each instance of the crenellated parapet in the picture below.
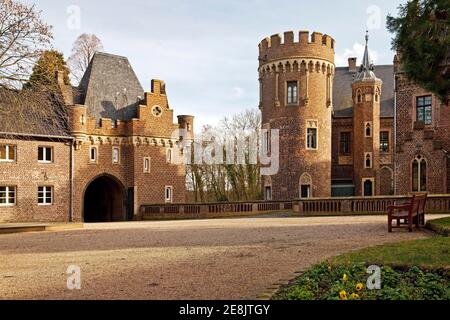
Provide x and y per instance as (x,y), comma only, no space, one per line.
(153,124)
(315,47)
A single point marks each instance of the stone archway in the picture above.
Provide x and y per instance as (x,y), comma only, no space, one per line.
(104,200)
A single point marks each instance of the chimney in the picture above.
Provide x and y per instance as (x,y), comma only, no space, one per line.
(352,64)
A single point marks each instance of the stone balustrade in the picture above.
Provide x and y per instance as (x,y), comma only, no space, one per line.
(315,206)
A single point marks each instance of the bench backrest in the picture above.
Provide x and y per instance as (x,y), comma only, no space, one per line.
(418,203)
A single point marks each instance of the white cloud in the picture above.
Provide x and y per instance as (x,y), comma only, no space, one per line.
(341,59)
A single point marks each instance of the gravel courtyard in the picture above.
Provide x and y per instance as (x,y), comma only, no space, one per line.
(206,259)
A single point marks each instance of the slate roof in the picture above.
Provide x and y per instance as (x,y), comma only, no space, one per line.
(110,88)
(342,91)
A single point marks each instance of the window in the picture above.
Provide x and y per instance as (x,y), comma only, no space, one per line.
(116,155)
(7,196)
(359,96)
(312,139)
(368,161)
(292,92)
(368,187)
(419,174)
(45,196)
(147,165)
(306,191)
(93,154)
(346,141)
(384,141)
(45,154)
(377,95)
(268,193)
(424,109)
(368,130)
(7,153)
(188,127)
(169,194)
(169,156)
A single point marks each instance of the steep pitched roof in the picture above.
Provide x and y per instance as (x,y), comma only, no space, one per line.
(32,113)
(342,91)
(110,88)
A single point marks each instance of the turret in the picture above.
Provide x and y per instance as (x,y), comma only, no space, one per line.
(296,80)
(366,92)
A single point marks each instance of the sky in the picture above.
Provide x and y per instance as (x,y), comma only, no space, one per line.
(207,50)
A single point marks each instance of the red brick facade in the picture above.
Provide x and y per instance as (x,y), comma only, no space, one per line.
(404,151)
(418,140)
(137,174)
(308,65)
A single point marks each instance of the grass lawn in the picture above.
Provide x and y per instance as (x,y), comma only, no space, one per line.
(441,226)
(412,270)
(433,253)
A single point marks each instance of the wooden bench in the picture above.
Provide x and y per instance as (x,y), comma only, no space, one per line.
(408,213)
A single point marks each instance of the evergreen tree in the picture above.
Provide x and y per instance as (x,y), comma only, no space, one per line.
(44,71)
(422,39)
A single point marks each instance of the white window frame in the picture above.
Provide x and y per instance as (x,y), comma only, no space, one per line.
(112,155)
(8,190)
(288,103)
(170,198)
(149,169)
(45,190)
(7,159)
(312,124)
(96,154)
(169,155)
(44,154)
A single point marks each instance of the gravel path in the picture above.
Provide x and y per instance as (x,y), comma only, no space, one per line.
(207,259)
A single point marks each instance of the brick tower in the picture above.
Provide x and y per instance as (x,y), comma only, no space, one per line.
(296,80)
(366,92)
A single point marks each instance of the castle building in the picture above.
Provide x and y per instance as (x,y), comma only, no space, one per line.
(348,131)
(116,153)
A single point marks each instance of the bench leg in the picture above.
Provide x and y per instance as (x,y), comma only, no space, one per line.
(390,225)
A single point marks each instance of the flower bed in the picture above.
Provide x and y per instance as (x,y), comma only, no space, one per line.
(349,282)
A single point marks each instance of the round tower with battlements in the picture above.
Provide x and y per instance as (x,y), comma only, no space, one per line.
(296,82)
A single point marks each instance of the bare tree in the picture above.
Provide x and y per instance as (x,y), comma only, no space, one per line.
(228,182)
(23,36)
(83,50)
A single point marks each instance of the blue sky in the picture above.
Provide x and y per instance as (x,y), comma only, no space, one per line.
(207,50)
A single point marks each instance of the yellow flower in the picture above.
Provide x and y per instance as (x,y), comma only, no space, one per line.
(355,296)
(343,295)
(345,277)
(359,287)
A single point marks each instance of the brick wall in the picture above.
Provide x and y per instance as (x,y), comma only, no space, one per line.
(427,141)
(26,174)
(283,61)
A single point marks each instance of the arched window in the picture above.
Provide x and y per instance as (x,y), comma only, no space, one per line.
(419,174)
(359,96)
(368,161)
(377,95)
(169,156)
(305,186)
(368,130)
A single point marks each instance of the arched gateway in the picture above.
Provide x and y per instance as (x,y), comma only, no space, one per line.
(104,200)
